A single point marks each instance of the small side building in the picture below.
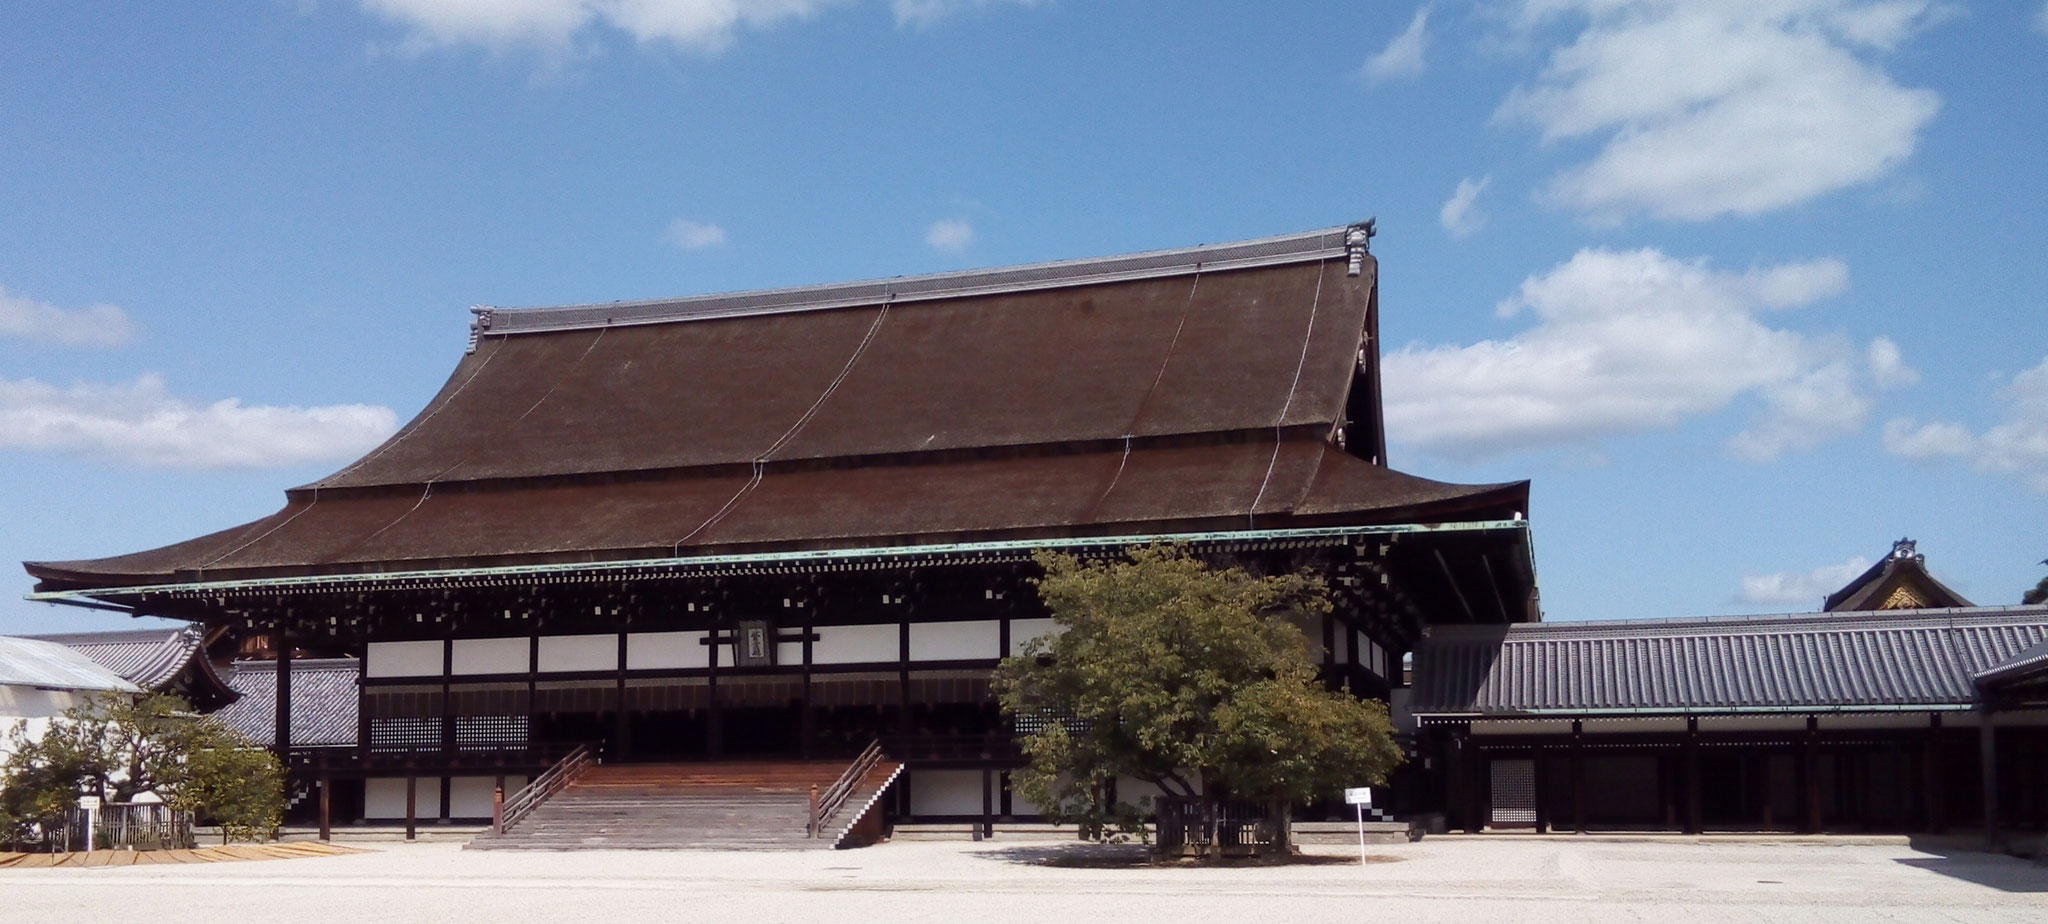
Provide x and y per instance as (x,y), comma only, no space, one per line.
(157,661)
(40,680)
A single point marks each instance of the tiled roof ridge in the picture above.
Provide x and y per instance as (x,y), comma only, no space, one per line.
(1847,621)
(1320,244)
(301,664)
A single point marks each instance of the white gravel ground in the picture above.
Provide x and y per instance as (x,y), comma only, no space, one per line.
(1477,881)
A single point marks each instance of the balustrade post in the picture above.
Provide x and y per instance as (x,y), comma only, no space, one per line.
(814,811)
(498,809)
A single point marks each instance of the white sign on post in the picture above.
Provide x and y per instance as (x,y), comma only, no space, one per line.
(1360,797)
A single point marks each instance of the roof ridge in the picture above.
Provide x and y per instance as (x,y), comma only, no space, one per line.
(1320,244)
(1852,620)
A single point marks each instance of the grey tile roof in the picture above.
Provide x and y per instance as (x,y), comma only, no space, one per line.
(36,663)
(149,658)
(2026,665)
(323,701)
(1730,664)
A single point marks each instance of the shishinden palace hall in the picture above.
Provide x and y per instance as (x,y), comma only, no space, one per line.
(797,525)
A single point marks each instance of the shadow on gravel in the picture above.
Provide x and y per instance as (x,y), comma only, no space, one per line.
(1995,870)
(1136,856)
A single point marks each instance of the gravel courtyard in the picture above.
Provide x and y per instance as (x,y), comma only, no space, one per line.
(1491,880)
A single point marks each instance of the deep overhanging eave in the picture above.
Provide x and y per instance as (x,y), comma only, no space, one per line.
(752,562)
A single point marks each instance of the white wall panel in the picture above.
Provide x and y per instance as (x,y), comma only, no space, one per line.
(1874,720)
(789,652)
(956,641)
(563,653)
(470,796)
(1618,726)
(946,792)
(384,798)
(647,651)
(1523,726)
(491,655)
(1024,630)
(855,644)
(404,659)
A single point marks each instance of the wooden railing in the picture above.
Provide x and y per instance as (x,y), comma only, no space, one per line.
(508,812)
(826,805)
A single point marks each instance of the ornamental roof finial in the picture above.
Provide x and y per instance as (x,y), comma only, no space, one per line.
(1358,243)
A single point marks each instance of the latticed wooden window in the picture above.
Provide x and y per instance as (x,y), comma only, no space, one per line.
(399,735)
(490,733)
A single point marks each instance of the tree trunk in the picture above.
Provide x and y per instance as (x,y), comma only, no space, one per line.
(1280,814)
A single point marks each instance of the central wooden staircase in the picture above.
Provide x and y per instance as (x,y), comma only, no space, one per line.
(751,805)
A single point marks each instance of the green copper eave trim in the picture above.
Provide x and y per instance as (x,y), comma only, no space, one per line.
(761,558)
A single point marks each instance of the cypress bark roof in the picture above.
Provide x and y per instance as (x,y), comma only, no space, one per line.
(1232,384)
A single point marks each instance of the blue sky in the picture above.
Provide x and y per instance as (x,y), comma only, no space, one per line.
(1748,289)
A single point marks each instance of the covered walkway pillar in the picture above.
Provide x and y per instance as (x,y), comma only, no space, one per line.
(1987,747)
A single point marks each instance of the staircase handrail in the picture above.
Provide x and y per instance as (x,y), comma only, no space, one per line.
(551,781)
(827,804)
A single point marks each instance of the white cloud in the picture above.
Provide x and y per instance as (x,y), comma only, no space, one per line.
(1795,587)
(1458,216)
(1905,438)
(1730,107)
(2016,446)
(142,423)
(1888,367)
(554,25)
(693,235)
(42,322)
(1627,341)
(1404,56)
(950,235)
(2041,19)
(923,13)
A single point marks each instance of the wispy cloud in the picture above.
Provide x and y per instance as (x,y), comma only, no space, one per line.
(1712,109)
(1800,587)
(1458,216)
(2015,446)
(949,235)
(1629,341)
(693,235)
(921,14)
(42,322)
(142,423)
(557,27)
(1405,54)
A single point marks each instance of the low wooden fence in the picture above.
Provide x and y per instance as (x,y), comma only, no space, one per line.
(1193,827)
(118,826)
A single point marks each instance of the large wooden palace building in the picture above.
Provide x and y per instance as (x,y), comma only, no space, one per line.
(791,522)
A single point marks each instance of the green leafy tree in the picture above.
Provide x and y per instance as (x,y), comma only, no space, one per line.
(1191,678)
(2039,594)
(119,748)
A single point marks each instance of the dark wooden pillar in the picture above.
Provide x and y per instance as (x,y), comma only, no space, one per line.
(1987,757)
(1809,778)
(714,716)
(282,736)
(1692,776)
(903,726)
(808,721)
(1931,809)
(622,722)
(1458,800)
(988,806)
(412,810)
(1578,777)
(447,799)
(533,693)
(326,808)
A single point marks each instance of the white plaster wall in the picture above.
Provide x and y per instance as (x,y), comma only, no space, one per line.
(946,792)
(855,645)
(404,659)
(1024,630)
(490,655)
(1735,723)
(646,651)
(471,796)
(384,798)
(789,652)
(20,701)
(956,641)
(563,653)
